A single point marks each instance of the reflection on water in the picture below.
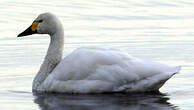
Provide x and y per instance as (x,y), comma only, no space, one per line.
(117,101)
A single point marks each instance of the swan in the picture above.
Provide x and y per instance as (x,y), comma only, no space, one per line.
(92,69)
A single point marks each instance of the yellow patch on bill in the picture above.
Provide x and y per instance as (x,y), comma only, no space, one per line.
(34,26)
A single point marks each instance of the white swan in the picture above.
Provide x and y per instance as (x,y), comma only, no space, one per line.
(92,69)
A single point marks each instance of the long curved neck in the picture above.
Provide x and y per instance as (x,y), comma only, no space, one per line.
(53,57)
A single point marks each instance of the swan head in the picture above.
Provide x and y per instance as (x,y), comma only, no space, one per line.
(46,23)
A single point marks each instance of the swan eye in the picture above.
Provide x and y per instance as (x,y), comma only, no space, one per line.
(40,21)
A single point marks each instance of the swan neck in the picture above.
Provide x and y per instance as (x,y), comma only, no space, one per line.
(52,59)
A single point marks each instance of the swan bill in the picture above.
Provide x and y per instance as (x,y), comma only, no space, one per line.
(30,30)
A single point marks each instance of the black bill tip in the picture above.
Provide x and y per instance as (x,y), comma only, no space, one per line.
(20,35)
(28,31)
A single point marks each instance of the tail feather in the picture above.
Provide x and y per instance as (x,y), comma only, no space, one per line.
(177,69)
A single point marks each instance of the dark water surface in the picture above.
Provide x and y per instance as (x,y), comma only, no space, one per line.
(162,31)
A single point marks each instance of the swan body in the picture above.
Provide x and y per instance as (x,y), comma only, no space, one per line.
(92,69)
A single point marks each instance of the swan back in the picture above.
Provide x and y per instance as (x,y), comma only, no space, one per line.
(90,70)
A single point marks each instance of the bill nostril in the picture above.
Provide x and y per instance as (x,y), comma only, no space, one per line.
(40,21)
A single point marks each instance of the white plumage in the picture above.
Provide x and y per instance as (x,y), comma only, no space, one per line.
(95,69)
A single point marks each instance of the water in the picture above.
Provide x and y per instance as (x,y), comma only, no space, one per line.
(162,31)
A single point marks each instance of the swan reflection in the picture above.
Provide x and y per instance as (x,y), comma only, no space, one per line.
(118,101)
